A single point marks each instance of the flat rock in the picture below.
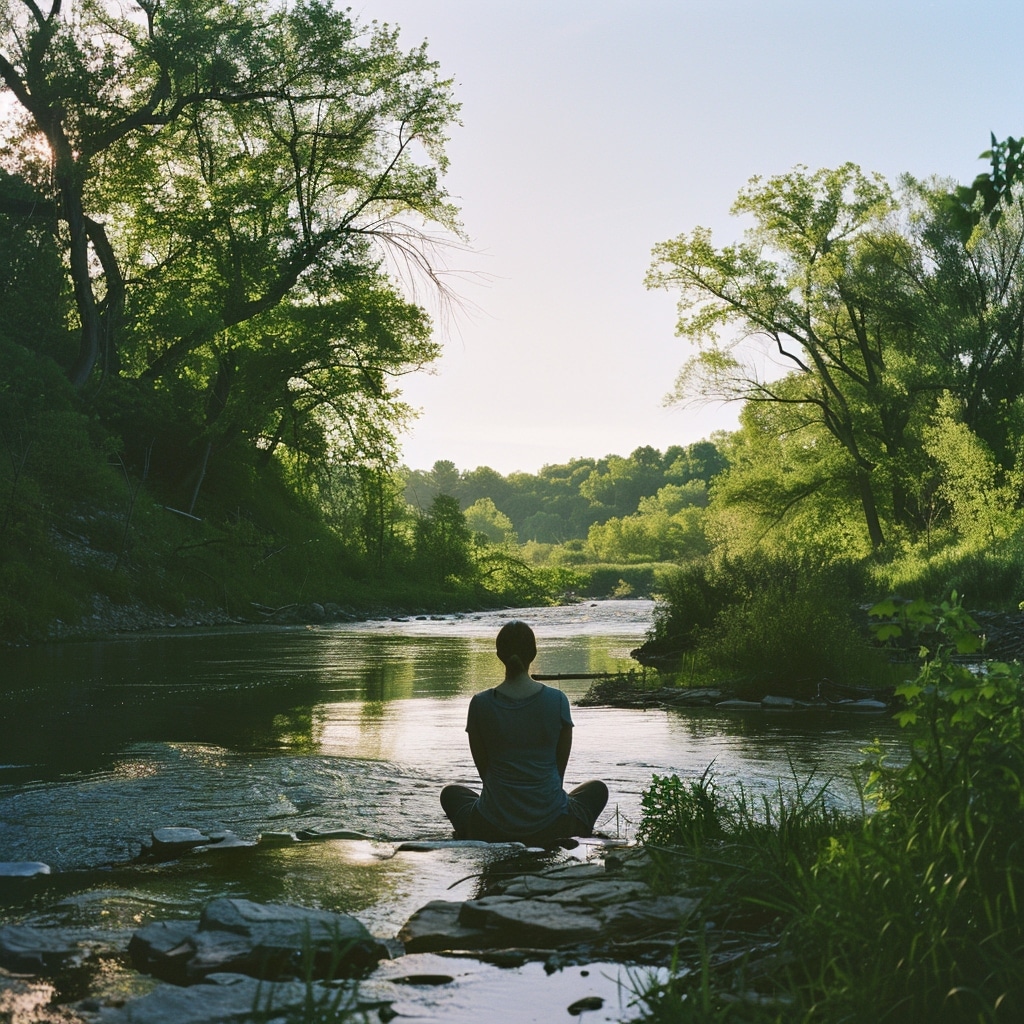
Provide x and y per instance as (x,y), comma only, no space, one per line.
(23,868)
(599,892)
(437,927)
(309,835)
(261,940)
(647,916)
(225,840)
(478,913)
(223,999)
(162,948)
(169,843)
(30,950)
(533,922)
(278,838)
(574,872)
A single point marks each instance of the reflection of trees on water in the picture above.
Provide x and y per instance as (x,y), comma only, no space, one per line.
(817,746)
(298,729)
(443,667)
(581,654)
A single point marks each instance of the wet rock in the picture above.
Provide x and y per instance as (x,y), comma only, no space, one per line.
(587,1003)
(602,892)
(162,948)
(225,840)
(641,917)
(261,940)
(565,909)
(437,927)
(479,913)
(222,999)
(169,843)
(531,922)
(278,838)
(308,835)
(632,859)
(31,950)
(23,868)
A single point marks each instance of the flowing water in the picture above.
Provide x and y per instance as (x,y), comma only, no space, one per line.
(354,726)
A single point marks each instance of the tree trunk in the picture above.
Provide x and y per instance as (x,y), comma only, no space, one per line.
(867,500)
(85,300)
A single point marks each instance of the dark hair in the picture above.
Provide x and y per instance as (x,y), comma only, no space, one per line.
(516,645)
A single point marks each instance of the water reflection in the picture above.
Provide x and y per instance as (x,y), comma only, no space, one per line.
(338,727)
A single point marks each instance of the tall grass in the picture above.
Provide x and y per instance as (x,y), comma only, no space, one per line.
(908,913)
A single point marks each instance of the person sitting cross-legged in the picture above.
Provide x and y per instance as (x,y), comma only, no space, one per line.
(520,736)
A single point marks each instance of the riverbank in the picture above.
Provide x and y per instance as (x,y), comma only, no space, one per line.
(503,920)
(108,619)
(312,729)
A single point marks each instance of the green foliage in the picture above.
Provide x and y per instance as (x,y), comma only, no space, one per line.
(987,197)
(760,619)
(667,526)
(909,910)
(873,305)
(443,541)
(981,495)
(483,517)
(985,578)
(560,503)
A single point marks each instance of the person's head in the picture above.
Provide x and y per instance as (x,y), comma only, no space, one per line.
(517,646)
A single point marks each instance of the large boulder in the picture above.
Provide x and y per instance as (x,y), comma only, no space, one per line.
(269,940)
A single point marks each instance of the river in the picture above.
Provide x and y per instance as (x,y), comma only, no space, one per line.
(354,726)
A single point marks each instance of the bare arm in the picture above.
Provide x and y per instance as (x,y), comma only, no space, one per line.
(479,752)
(563,750)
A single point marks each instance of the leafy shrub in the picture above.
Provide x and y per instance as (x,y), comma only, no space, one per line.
(908,913)
(762,619)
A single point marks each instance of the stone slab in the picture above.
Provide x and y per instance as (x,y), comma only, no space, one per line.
(30,950)
(23,868)
(264,940)
(436,926)
(533,922)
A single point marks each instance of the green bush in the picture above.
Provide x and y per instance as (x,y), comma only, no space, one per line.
(983,577)
(758,619)
(908,913)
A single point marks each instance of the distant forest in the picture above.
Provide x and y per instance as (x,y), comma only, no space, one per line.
(584,499)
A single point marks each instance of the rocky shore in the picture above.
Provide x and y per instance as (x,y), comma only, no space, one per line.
(563,911)
(108,618)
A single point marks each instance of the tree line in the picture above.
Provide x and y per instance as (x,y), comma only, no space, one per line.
(877,348)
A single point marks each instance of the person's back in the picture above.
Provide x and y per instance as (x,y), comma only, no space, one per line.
(522,789)
(520,735)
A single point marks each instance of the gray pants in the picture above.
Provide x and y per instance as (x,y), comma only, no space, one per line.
(586,802)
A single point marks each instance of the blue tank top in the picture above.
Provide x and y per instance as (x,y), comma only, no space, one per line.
(522,790)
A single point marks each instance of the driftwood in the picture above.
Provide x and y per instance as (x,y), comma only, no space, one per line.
(574,675)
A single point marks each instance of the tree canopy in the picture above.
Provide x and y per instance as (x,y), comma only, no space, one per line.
(236,188)
(850,307)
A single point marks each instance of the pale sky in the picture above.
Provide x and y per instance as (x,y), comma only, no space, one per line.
(593,130)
